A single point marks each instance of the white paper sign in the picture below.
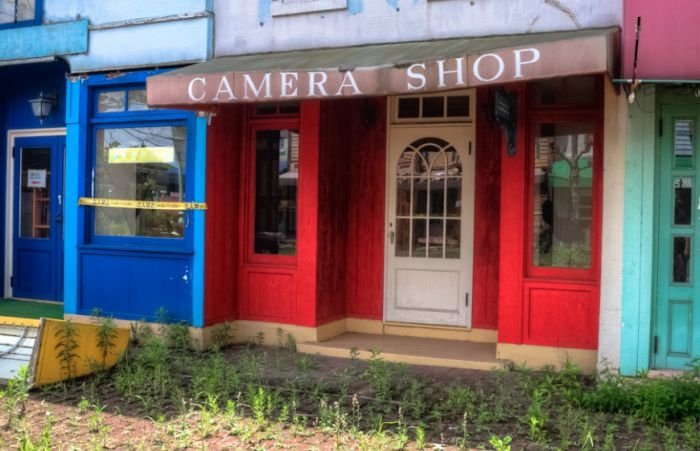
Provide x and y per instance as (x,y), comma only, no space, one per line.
(36,178)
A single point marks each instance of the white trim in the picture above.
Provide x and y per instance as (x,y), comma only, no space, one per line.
(12,135)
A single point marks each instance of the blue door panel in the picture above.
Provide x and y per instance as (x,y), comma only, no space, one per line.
(136,286)
(35,269)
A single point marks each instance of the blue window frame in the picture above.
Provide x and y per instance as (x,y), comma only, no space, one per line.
(142,154)
(20,13)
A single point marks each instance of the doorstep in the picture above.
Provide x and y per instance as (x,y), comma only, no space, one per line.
(411,350)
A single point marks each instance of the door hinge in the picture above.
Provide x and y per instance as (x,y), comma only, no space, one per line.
(656,344)
(12,281)
(466,299)
(470,147)
(661,127)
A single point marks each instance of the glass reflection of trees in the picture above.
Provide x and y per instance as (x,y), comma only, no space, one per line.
(563,203)
(428,200)
(140,179)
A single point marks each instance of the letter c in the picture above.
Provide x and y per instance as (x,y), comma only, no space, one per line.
(190,89)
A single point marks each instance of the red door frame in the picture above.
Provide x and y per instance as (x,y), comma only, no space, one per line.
(297,305)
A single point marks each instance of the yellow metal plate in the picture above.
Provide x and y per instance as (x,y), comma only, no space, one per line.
(50,368)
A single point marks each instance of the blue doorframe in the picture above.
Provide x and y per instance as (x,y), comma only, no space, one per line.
(37,237)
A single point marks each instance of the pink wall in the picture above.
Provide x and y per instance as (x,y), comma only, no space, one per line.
(669,43)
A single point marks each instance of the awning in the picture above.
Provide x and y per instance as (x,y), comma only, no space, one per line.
(386,69)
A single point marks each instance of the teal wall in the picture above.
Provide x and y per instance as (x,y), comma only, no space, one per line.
(638,233)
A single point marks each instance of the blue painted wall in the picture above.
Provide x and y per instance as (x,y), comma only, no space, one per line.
(129,277)
(19,84)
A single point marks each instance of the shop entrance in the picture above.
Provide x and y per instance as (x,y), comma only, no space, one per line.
(676,338)
(430,224)
(37,226)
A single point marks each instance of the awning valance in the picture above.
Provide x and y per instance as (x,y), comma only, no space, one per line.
(386,69)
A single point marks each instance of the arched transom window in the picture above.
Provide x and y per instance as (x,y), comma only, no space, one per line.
(428,200)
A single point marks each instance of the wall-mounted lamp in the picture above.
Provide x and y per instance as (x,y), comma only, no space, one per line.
(42,106)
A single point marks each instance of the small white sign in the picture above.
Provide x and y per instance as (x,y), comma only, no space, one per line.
(36,178)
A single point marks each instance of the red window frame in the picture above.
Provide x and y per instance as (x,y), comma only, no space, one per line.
(254,126)
(536,117)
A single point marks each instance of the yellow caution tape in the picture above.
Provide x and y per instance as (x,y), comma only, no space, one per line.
(143,204)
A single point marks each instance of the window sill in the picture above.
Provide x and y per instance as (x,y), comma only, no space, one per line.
(104,248)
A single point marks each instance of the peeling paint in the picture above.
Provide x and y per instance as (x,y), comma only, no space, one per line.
(263,11)
(355,7)
(565,9)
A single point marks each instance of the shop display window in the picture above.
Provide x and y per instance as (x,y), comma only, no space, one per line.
(565,177)
(138,154)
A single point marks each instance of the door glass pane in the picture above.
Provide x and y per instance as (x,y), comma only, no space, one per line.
(458,106)
(454,196)
(403,237)
(681,259)
(428,183)
(437,196)
(276,182)
(436,238)
(419,241)
(433,106)
(683,143)
(563,195)
(420,196)
(409,107)
(144,163)
(35,194)
(403,197)
(452,245)
(682,200)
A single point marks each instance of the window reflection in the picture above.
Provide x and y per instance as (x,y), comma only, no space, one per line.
(681,259)
(145,163)
(276,182)
(563,195)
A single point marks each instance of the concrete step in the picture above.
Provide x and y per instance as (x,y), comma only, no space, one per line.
(411,350)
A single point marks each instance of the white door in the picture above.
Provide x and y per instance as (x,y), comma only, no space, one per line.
(430,221)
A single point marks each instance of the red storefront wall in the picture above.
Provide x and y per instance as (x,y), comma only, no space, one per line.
(339,270)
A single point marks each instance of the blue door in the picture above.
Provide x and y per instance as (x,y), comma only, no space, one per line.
(37,264)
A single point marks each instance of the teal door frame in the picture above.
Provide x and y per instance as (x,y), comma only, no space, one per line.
(641,228)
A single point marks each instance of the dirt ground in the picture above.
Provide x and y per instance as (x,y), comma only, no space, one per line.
(335,404)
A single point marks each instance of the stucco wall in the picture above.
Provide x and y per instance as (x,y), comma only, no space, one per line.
(613,210)
(248,26)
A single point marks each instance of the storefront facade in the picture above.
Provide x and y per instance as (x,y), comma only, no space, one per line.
(659,329)
(73,89)
(379,189)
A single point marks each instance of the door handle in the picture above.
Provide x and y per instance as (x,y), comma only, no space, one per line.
(391,237)
(59,209)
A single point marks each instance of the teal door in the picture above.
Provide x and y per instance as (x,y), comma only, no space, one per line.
(677,314)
